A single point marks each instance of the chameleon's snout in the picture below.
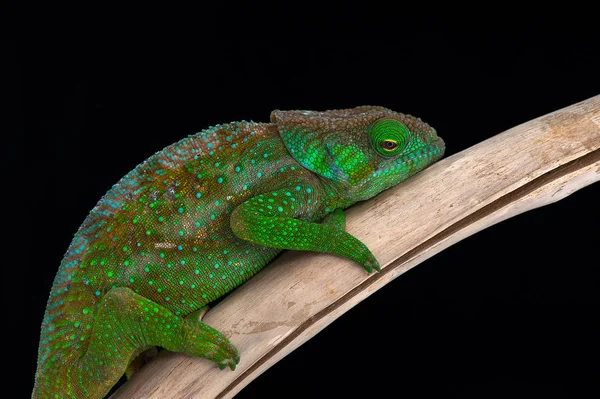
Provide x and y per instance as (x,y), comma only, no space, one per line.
(439,143)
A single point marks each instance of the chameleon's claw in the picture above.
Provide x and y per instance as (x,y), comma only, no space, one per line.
(377,267)
(370,265)
(231,362)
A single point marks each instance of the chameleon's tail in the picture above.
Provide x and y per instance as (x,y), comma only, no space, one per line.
(123,324)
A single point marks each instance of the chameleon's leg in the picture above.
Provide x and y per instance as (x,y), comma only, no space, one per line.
(198,314)
(335,219)
(274,220)
(139,360)
(127,324)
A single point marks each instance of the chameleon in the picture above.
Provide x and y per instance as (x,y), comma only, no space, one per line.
(202,216)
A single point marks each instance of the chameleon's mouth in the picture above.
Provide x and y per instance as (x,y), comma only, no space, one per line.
(440,145)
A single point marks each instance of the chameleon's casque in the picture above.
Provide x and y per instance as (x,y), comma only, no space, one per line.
(202,216)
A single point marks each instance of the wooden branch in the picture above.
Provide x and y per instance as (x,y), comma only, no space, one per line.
(295,297)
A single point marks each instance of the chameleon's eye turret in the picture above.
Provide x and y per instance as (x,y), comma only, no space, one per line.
(388,136)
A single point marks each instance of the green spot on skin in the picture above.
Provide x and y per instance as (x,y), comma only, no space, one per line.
(125,248)
(109,274)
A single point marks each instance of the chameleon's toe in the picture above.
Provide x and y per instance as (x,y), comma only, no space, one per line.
(376,266)
(231,356)
(371,264)
(231,362)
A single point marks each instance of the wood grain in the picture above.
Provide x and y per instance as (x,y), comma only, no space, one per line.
(528,166)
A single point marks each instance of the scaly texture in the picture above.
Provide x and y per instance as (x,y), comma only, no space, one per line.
(199,218)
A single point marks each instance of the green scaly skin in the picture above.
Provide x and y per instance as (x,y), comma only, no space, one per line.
(202,216)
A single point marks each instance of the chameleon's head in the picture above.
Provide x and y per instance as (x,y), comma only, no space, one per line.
(362,150)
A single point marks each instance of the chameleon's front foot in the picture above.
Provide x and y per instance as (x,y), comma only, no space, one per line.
(369,265)
(352,248)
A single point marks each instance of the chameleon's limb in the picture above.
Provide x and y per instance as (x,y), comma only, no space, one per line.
(140,359)
(198,314)
(127,324)
(335,219)
(270,219)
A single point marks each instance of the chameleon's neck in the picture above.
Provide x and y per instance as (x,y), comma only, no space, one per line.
(335,196)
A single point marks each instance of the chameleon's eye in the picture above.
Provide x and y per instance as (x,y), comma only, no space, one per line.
(388,136)
(389,145)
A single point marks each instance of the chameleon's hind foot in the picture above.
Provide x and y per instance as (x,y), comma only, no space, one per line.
(204,341)
(232,363)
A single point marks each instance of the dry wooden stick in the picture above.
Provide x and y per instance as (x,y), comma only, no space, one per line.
(290,301)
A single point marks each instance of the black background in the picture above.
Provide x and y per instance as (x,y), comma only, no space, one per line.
(511,310)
